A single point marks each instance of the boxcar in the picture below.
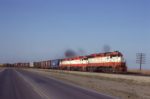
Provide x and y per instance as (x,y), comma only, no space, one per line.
(55,63)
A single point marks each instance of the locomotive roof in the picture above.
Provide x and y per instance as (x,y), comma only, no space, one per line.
(115,53)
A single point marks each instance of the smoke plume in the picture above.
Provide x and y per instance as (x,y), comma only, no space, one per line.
(70,53)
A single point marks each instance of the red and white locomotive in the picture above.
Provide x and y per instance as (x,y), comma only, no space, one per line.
(105,62)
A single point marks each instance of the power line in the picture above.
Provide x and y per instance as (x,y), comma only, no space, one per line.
(140,59)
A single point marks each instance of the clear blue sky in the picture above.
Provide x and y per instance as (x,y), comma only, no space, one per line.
(32,30)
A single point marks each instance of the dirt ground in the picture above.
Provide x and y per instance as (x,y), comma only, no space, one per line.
(120,86)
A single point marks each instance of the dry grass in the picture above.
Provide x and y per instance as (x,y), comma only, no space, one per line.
(137,71)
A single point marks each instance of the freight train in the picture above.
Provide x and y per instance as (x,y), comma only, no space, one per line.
(99,62)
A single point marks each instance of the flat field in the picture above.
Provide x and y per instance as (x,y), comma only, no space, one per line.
(144,72)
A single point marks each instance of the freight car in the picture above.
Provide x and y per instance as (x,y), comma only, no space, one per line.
(45,64)
(37,64)
(104,62)
(55,64)
(42,64)
(24,65)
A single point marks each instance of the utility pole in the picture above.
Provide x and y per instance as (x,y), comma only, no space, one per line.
(140,59)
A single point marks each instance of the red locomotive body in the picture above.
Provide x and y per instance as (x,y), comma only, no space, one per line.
(74,63)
